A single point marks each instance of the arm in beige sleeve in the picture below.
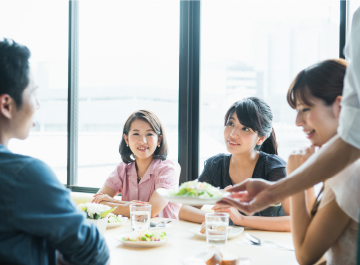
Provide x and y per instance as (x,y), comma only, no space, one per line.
(254,195)
(330,160)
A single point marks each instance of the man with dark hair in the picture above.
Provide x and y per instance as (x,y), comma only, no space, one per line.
(38,217)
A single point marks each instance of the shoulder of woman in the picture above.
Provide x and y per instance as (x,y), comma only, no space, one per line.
(273,161)
(122,168)
(165,165)
(216,159)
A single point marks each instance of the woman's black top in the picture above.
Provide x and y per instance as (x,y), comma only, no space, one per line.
(268,167)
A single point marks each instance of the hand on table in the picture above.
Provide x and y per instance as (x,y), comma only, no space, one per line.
(103,197)
(140,202)
(234,214)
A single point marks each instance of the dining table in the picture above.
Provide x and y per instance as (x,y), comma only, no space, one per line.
(183,244)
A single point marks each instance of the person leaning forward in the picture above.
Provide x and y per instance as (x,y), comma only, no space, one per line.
(39,219)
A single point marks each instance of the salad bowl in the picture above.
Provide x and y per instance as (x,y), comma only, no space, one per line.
(115,222)
(193,193)
(134,239)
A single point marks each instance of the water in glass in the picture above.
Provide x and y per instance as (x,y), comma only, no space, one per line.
(140,220)
(216,228)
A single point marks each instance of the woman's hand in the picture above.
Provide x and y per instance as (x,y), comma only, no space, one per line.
(298,157)
(234,214)
(140,202)
(227,188)
(103,197)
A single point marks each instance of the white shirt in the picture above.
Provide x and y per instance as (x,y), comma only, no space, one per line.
(349,123)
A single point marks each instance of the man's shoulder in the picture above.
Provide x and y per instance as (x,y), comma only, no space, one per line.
(14,163)
(25,169)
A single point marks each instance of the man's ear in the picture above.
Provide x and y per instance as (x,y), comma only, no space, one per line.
(337,106)
(7,104)
(261,140)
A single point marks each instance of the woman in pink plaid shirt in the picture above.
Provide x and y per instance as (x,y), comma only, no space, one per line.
(144,168)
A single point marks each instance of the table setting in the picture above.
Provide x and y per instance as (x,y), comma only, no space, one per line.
(170,241)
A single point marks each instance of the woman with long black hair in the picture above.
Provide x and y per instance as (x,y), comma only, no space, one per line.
(251,142)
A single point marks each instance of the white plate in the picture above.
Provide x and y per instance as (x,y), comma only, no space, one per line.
(140,244)
(112,225)
(199,259)
(235,231)
(189,200)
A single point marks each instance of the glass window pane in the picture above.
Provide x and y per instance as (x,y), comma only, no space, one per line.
(128,60)
(256,48)
(44,31)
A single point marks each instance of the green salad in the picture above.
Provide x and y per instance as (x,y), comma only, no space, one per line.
(198,189)
(115,219)
(146,236)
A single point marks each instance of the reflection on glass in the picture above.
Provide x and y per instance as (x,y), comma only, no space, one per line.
(256,48)
(128,60)
(44,31)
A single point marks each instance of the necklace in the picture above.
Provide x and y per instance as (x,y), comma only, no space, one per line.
(138,179)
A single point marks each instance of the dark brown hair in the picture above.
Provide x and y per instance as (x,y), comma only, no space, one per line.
(155,124)
(324,80)
(14,70)
(256,114)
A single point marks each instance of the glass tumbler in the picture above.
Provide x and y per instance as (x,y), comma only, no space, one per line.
(216,228)
(140,216)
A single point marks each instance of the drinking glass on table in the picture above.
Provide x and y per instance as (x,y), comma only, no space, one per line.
(140,216)
(216,228)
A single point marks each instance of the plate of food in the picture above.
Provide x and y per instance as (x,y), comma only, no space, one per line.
(233,231)
(115,220)
(214,257)
(194,193)
(141,239)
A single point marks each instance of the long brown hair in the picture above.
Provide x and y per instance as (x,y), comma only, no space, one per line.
(325,81)
(155,124)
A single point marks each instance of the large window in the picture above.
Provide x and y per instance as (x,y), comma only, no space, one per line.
(128,60)
(123,56)
(256,48)
(43,27)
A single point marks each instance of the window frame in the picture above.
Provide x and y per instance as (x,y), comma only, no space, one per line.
(189,89)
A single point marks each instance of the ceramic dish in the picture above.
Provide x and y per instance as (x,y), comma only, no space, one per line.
(139,244)
(189,200)
(234,232)
(112,225)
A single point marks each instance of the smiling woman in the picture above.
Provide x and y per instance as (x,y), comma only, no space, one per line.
(316,97)
(144,168)
(251,142)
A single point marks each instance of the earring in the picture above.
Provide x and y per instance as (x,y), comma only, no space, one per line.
(158,145)
(127,145)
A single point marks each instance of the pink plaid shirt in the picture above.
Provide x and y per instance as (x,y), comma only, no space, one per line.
(160,174)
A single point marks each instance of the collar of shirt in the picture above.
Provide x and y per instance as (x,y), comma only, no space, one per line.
(150,171)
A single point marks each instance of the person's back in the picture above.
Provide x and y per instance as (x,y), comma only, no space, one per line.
(38,216)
